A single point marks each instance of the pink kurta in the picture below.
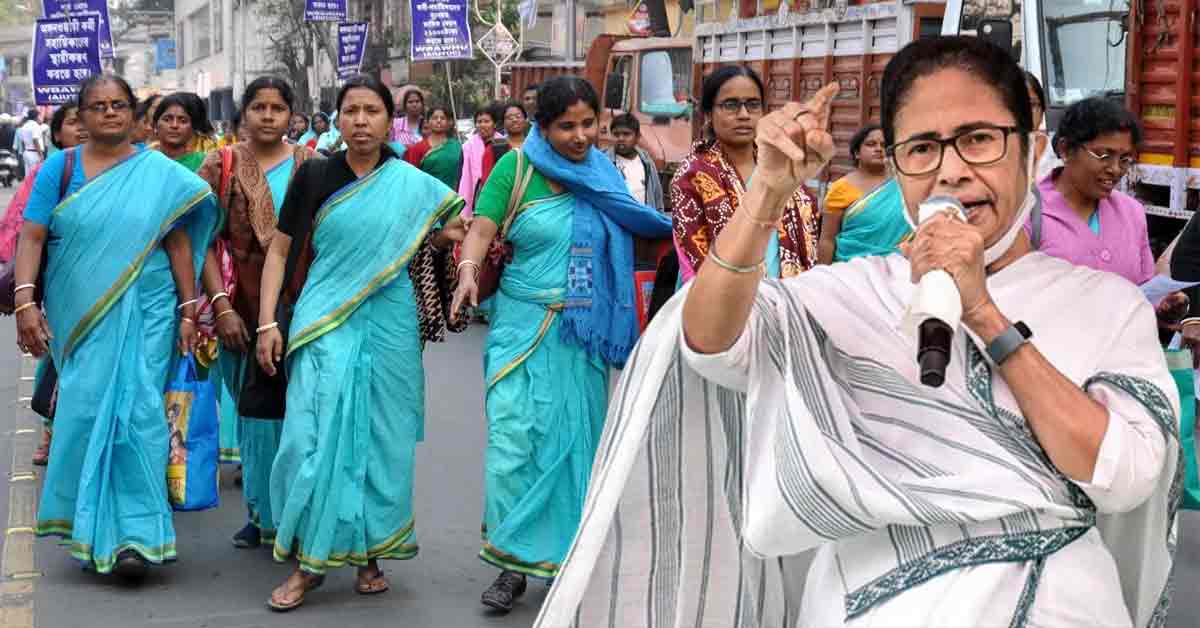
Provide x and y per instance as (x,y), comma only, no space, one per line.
(1122,247)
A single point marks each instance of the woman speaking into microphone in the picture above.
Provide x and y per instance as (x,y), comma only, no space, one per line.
(1034,487)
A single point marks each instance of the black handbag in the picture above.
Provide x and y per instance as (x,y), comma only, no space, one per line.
(45,395)
(264,396)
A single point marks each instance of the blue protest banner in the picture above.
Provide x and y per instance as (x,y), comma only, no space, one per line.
(440,30)
(324,10)
(65,51)
(64,8)
(351,46)
(164,55)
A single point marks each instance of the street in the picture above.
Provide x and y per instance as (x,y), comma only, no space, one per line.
(215,585)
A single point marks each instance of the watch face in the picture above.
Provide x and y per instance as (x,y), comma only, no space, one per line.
(1026,333)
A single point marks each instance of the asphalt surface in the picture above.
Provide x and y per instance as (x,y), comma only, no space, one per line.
(216,585)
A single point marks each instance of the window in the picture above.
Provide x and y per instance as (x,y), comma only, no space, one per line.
(664,82)
(199,26)
(1083,49)
(218,33)
(18,66)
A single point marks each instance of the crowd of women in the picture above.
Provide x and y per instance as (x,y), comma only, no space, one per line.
(332,248)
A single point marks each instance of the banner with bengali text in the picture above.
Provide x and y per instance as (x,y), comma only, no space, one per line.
(65,52)
(351,47)
(64,8)
(440,30)
(324,10)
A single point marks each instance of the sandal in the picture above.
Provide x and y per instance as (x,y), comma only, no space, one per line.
(311,582)
(374,585)
(504,591)
(42,456)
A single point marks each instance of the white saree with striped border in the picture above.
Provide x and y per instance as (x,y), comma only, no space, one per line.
(929,507)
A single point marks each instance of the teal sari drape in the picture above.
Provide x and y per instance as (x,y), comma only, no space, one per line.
(341,485)
(110,301)
(546,402)
(873,225)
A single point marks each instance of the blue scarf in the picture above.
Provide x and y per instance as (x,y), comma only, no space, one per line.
(600,315)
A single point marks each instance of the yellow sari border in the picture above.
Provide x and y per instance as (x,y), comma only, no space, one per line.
(552,312)
(114,293)
(339,315)
(343,195)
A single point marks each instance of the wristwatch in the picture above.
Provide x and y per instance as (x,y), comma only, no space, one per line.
(1009,341)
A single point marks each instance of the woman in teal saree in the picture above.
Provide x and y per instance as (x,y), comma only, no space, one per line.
(341,485)
(873,225)
(122,258)
(563,317)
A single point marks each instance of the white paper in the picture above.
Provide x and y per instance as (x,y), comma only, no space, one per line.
(1159,286)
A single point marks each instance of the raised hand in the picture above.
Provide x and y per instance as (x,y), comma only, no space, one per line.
(794,143)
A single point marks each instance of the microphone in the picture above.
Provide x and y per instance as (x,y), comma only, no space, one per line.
(936,307)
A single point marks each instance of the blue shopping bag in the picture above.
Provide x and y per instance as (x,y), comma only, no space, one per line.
(1180,363)
(193,482)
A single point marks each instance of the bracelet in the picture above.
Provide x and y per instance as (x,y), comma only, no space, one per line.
(217,296)
(761,266)
(22,308)
(184,319)
(23,286)
(1189,321)
(187,303)
(267,327)
(468,262)
(763,223)
(218,316)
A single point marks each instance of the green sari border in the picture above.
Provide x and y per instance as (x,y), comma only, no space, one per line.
(395,547)
(340,314)
(433,150)
(552,312)
(102,564)
(343,195)
(111,169)
(493,556)
(114,293)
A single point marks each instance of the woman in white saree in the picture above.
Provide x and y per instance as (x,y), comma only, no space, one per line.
(1038,486)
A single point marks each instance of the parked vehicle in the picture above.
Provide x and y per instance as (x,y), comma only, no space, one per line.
(8,168)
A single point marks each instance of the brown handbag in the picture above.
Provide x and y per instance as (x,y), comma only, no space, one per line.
(500,250)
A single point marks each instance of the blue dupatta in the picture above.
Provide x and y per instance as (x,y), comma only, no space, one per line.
(599,315)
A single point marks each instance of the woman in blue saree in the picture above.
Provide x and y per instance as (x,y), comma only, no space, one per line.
(563,317)
(341,484)
(122,258)
(251,194)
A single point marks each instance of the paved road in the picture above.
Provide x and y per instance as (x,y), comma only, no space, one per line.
(214,585)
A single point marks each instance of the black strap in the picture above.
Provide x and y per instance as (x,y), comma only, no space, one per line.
(314,171)
(68,170)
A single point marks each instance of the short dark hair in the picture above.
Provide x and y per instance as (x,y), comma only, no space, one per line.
(860,136)
(192,105)
(1092,117)
(1034,84)
(513,104)
(324,118)
(98,79)
(269,82)
(532,86)
(976,56)
(436,108)
(143,108)
(715,81)
(366,81)
(559,93)
(489,110)
(56,122)
(625,121)
(415,91)
(31,114)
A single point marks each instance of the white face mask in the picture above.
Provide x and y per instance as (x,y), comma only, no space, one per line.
(1001,246)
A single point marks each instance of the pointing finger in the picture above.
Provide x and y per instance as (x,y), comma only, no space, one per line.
(821,104)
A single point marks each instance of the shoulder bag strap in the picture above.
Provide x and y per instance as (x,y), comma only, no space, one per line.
(68,170)
(520,185)
(226,175)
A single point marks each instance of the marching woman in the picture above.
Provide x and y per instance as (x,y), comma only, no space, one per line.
(182,128)
(473,150)
(562,318)
(250,179)
(341,485)
(440,154)
(123,251)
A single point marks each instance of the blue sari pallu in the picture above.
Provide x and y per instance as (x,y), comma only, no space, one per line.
(110,301)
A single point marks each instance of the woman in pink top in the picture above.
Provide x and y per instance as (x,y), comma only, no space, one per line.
(1085,219)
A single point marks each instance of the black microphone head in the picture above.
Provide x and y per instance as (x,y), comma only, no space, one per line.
(933,355)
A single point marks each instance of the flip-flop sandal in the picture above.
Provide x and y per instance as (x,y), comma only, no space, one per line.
(296,603)
(369,588)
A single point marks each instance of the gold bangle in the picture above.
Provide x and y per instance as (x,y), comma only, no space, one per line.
(22,308)
(229,311)
(763,223)
(760,266)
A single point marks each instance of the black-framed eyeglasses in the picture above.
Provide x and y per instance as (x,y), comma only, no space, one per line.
(1124,163)
(118,106)
(979,146)
(733,105)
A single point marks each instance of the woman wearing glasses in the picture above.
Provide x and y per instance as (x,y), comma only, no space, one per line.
(1085,219)
(711,181)
(124,245)
(1036,486)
